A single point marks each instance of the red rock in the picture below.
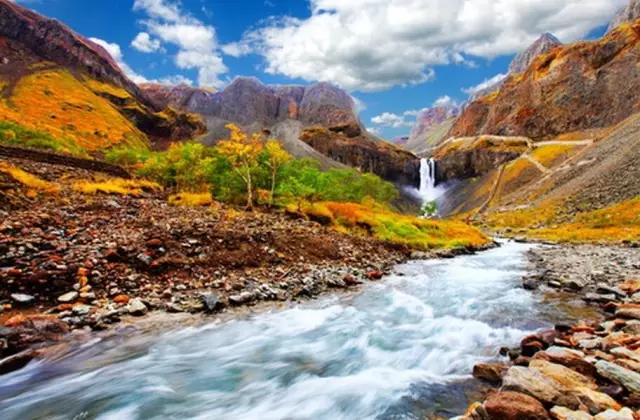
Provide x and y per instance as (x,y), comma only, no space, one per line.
(375,275)
(155,243)
(490,372)
(530,345)
(33,329)
(123,299)
(83,272)
(514,406)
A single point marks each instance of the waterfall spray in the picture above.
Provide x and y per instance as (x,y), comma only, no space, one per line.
(428,191)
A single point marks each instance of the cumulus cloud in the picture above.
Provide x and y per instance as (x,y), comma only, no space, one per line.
(144,43)
(389,119)
(445,101)
(372,45)
(488,83)
(176,80)
(196,42)
(116,53)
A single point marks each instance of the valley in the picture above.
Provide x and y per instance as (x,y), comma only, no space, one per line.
(170,250)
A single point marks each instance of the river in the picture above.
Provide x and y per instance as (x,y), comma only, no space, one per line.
(402,348)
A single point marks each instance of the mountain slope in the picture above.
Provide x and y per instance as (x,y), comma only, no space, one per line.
(630,13)
(542,45)
(58,82)
(575,87)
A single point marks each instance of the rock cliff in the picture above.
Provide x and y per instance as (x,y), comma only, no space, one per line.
(542,45)
(629,14)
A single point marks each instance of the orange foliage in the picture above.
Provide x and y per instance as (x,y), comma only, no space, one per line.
(54,101)
(553,155)
(29,180)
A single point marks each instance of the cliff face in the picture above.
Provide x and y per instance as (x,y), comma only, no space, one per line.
(543,45)
(629,14)
(572,88)
(57,81)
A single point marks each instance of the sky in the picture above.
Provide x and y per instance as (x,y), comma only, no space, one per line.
(394,57)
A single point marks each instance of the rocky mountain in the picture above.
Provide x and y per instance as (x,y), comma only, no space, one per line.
(571,88)
(317,121)
(542,45)
(629,14)
(59,82)
(431,126)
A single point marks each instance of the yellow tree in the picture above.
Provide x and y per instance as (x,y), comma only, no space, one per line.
(276,157)
(243,153)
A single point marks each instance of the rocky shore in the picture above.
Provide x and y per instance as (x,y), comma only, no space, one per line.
(590,370)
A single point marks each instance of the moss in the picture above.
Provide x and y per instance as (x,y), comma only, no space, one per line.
(115,186)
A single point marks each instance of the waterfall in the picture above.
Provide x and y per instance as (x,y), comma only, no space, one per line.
(428,191)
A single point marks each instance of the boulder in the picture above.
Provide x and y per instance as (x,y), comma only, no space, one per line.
(628,312)
(624,414)
(23,331)
(514,406)
(615,373)
(492,372)
(567,377)
(136,307)
(532,382)
(568,358)
(68,297)
(625,353)
(22,299)
(212,302)
(563,413)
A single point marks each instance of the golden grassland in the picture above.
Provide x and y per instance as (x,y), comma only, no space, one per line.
(191,199)
(395,228)
(105,88)
(30,181)
(553,155)
(483,143)
(55,102)
(116,186)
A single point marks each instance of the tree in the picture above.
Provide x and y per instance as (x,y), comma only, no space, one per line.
(243,152)
(276,157)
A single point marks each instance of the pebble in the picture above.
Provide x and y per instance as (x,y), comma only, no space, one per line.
(23,298)
(136,307)
(68,297)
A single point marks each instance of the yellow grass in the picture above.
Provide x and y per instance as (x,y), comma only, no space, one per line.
(552,155)
(100,87)
(29,180)
(396,228)
(191,199)
(116,186)
(54,101)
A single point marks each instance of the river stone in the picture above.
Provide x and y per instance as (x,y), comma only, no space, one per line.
(632,327)
(81,310)
(532,382)
(212,302)
(514,406)
(68,297)
(624,414)
(619,375)
(595,401)
(567,377)
(626,353)
(631,313)
(492,372)
(136,307)
(569,359)
(22,298)
(563,413)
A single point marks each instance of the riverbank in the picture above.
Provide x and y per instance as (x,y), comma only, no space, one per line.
(587,370)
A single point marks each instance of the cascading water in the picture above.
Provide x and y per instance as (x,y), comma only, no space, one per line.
(403,348)
(428,190)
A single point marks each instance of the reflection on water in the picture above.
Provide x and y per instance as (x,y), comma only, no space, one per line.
(402,349)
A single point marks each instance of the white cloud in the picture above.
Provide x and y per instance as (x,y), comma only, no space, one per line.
(196,42)
(144,43)
(359,103)
(445,101)
(488,83)
(372,45)
(176,80)
(388,119)
(236,49)
(116,53)
(375,130)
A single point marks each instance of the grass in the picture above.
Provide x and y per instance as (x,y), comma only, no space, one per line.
(486,143)
(115,186)
(15,134)
(620,222)
(191,199)
(57,103)
(395,228)
(29,180)
(553,155)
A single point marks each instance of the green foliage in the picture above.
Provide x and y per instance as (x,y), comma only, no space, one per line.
(127,156)
(16,134)
(429,210)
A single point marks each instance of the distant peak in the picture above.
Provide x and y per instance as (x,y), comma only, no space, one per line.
(545,43)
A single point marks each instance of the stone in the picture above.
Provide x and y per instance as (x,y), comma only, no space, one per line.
(531,382)
(605,289)
(26,330)
(622,376)
(23,299)
(492,372)
(212,302)
(68,297)
(595,401)
(626,353)
(567,377)
(563,413)
(17,361)
(624,414)
(599,298)
(514,406)
(630,286)
(122,299)
(532,344)
(632,327)
(628,312)
(243,298)
(81,310)
(136,307)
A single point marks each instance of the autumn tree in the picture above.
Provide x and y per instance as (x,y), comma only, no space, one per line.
(276,157)
(243,152)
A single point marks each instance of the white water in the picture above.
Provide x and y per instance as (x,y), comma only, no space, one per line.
(428,190)
(402,349)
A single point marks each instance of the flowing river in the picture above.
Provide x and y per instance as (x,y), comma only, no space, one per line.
(402,348)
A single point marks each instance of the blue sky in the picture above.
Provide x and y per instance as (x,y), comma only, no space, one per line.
(394,56)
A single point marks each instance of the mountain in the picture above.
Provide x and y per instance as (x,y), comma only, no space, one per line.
(317,121)
(58,82)
(629,14)
(571,88)
(431,126)
(542,45)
